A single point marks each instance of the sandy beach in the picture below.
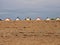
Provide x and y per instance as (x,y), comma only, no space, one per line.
(30,32)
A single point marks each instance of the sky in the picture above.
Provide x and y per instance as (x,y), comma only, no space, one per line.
(31,8)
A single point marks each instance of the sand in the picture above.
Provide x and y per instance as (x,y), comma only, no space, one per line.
(30,32)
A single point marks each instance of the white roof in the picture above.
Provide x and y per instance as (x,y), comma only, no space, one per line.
(38,18)
(17,19)
(27,18)
(7,19)
(48,19)
(57,18)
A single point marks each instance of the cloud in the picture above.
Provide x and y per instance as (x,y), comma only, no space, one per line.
(0,4)
(30,3)
(32,8)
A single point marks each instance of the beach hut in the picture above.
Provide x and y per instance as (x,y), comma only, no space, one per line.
(7,19)
(17,19)
(38,18)
(28,18)
(0,19)
(48,18)
(57,18)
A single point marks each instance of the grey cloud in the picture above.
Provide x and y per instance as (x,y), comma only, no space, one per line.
(32,8)
(0,4)
(30,3)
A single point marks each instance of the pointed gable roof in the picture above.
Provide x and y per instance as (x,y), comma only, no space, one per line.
(27,18)
(17,18)
(48,18)
(7,19)
(57,18)
(38,18)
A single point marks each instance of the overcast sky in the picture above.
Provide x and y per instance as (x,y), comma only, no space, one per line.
(31,8)
(17,4)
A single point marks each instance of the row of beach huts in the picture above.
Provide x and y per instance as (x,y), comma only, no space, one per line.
(28,18)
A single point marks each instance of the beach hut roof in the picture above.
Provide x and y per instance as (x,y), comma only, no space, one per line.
(38,18)
(48,18)
(17,18)
(57,18)
(7,19)
(27,18)
(0,19)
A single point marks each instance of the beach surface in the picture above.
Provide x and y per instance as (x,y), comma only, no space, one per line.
(30,32)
